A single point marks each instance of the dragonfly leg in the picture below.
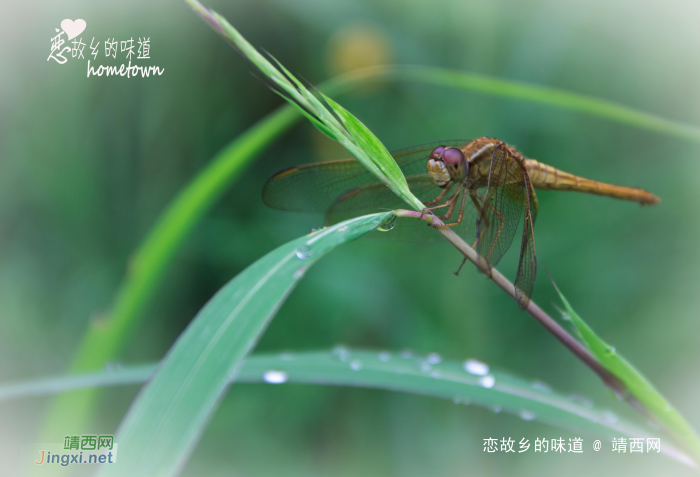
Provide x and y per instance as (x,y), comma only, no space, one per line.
(437,200)
(449,203)
(477,203)
(475,197)
(441,196)
(452,203)
(460,266)
(461,211)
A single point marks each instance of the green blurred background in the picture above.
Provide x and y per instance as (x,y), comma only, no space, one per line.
(88,164)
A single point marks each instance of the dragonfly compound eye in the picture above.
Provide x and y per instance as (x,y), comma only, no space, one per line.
(456,163)
(437,152)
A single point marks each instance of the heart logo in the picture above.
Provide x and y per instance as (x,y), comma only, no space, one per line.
(73,28)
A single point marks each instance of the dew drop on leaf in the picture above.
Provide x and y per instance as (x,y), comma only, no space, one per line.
(304,252)
(478,368)
(387,224)
(275,377)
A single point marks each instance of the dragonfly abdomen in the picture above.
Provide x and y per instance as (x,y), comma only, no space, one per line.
(547,177)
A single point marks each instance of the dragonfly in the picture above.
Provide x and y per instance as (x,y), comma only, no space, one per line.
(482,187)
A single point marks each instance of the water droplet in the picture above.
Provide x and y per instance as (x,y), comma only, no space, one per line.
(487,381)
(610,417)
(527,415)
(540,386)
(466,402)
(342,352)
(384,356)
(387,224)
(565,317)
(583,400)
(275,377)
(286,356)
(356,365)
(406,354)
(435,374)
(299,271)
(433,358)
(304,252)
(457,400)
(496,409)
(315,229)
(478,368)
(425,367)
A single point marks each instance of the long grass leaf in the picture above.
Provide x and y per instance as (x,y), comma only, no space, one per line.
(165,421)
(530,400)
(645,392)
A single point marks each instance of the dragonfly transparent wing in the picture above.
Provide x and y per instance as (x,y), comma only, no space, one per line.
(376,197)
(316,187)
(507,195)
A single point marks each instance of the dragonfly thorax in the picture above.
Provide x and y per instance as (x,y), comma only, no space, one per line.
(447,164)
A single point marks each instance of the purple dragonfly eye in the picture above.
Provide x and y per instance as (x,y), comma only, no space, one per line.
(453,157)
(437,152)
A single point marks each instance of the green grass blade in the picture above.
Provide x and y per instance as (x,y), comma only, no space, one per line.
(395,372)
(105,337)
(379,157)
(165,421)
(566,100)
(637,385)
(341,126)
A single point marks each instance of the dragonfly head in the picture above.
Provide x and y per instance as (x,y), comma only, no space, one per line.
(447,164)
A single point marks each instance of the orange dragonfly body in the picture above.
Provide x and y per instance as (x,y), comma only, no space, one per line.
(487,184)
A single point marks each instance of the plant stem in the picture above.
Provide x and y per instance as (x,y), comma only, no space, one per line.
(579,350)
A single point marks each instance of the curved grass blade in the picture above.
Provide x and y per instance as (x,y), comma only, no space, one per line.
(337,123)
(165,421)
(656,405)
(557,98)
(395,372)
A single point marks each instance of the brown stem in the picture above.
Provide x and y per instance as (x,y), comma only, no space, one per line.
(581,352)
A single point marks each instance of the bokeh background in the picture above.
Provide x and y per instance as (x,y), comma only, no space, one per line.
(88,164)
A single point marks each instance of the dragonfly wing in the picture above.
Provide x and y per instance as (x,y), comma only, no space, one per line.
(316,187)
(507,194)
(377,197)
(527,266)
(502,206)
